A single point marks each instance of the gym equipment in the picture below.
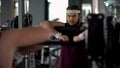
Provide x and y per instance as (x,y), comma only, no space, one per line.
(116,46)
(14,22)
(3,27)
(113,44)
(95,41)
(70,29)
(27,21)
(103,40)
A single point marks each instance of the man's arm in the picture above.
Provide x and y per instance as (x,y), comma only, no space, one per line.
(29,49)
(12,39)
(26,36)
(82,35)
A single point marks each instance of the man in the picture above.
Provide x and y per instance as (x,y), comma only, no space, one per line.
(72,56)
(22,41)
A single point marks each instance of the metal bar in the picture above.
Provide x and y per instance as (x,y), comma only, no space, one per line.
(70,29)
(65,30)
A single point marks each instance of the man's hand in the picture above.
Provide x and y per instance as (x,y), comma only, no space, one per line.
(64,38)
(76,38)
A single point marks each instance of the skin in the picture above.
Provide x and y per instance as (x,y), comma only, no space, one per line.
(23,40)
(72,18)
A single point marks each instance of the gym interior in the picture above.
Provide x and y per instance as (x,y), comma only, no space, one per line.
(17,14)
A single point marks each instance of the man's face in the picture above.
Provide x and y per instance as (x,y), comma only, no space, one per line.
(72,18)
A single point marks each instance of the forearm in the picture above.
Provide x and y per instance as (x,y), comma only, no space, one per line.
(29,49)
(6,50)
(84,33)
(81,36)
(7,38)
(26,36)
(34,35)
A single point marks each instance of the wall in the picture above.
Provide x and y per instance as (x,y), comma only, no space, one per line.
(6,11)
(37,9)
